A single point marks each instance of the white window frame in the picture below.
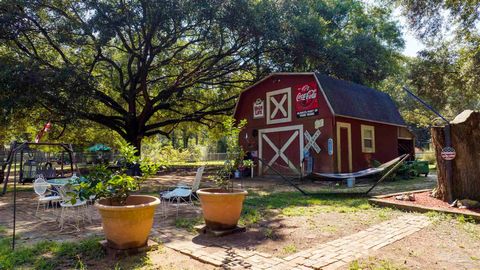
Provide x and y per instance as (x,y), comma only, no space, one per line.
(269,96)
(366,149)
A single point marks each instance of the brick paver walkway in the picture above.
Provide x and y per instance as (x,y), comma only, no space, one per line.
(330,255)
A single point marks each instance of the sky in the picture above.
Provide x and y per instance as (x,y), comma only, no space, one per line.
(412,44)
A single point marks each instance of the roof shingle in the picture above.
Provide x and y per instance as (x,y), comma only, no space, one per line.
(358,101)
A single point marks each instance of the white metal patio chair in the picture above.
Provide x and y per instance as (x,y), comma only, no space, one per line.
(40,186)
(79,209)
(182,193)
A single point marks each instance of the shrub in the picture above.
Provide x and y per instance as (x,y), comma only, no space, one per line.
(430,157)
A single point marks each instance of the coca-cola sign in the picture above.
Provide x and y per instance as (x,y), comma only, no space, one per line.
(306,99)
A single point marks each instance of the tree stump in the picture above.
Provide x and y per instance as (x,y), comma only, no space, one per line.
(465,135)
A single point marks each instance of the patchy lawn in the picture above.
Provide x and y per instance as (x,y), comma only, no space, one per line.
(87,254)
(49,254)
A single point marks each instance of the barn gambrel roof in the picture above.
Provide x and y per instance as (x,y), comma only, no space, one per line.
(357,101)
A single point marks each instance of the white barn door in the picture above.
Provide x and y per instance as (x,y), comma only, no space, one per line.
(281,148)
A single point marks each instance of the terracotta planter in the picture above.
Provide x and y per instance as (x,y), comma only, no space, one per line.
(221,208)
(128,226)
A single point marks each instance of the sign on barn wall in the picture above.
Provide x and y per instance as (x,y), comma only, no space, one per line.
(258,109)
(306,99)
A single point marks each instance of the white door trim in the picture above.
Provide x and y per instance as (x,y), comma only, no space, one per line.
(347,126)
(279,152)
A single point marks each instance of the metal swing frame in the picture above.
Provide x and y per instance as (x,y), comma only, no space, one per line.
(17,147)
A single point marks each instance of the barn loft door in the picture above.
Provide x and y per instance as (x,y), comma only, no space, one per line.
(281,148)
(344,147)
(279,106)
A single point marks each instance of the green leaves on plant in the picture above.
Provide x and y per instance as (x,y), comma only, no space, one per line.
(231,132)
(116,185)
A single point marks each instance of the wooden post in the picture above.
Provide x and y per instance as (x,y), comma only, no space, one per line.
(465,168)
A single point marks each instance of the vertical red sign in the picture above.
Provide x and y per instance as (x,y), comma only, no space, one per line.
(306,99)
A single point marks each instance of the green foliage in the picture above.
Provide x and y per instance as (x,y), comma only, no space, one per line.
(289,249)
(294,203)
(116,186)
(438,217)
(250,215)
(188,223)
(269,233)
(222,176)
(374,264)
(257,206)
(430,19)
(103,183)
(167,155)
(188,63)
(49,254)
(128,152)
(430,157)
(248,163)
(235,153)
(231,132)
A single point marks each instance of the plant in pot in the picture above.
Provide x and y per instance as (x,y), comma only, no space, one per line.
(249,164)
(222,205)
(126,219)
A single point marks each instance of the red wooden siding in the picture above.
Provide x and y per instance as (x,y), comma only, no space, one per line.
(386,143)
(322,161)
(289,135)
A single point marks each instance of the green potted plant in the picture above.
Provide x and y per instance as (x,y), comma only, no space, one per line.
(223,204)
(248,163)
(126,219)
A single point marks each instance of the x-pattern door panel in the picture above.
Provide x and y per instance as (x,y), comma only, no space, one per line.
(279,106)
(281,148)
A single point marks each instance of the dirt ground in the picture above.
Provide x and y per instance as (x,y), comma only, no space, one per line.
(283,235)
(446,244)
(160,259)
(424,199)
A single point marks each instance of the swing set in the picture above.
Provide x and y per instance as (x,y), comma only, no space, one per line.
(33,166)
(12,161)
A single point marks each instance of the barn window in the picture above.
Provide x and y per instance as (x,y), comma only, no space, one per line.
(368,139)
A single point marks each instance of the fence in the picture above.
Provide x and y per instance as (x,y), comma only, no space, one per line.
(214,156)
(88,157)
(80,157)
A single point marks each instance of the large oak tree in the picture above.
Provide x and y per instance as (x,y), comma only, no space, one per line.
(142,67)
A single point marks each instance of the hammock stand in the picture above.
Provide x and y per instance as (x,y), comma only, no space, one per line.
(389,167)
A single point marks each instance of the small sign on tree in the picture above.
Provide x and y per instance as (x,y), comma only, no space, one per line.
(448,153)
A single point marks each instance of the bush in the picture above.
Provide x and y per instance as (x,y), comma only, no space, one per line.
(166,154)
(430,157)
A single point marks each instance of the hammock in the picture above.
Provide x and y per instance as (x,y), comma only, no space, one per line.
(365,172)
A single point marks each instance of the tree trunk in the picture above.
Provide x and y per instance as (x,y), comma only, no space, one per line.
(465,135)
(174,139)
(135,140)
(185,138)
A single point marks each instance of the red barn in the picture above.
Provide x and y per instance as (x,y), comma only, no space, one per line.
(326,124)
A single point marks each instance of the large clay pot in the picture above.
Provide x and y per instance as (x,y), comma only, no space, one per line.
(128,226)
(221,208)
